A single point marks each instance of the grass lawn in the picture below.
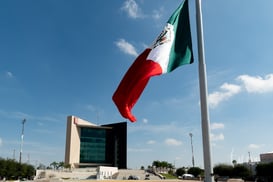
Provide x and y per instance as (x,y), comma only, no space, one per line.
(169,176)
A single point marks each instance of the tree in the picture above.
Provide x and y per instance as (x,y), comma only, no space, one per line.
(60,165)
(170,166)
(234,162)
(163,166)
(264,170)
(241,171)
(223,170)
(54,165)
(156,164)
(67,166)
(180,171)
(196,171)
(3,167)
(10,169)
(237,170)
(41,166)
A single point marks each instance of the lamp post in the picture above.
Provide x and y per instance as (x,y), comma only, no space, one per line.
(192,150)
(22,140)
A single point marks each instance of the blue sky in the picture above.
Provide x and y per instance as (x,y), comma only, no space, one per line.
(61,58)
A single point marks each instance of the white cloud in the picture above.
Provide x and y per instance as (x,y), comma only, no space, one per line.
(44,131)
(40,123)
(217,137)
(132,8)
(254,146)
(144,120)
(20,115)
(251,84)
(257,84)
(172,142)
(9,74)
(1,142)
(227,91)
(157,14)
(139,150)
(150,142)
(91,108)
(215,126)
(158,128)
(126,47)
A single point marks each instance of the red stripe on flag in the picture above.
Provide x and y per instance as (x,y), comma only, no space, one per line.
(133,84)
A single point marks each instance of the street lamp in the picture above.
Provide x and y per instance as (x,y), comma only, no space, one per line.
(192,150)
(22,140)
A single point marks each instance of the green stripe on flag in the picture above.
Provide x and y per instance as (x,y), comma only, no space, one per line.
(181,51)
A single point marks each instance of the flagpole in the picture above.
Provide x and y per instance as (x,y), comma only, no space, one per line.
(203,95)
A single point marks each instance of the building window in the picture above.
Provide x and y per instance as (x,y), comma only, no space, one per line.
(93,144)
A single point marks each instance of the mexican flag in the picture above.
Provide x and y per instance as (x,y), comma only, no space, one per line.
(171,49)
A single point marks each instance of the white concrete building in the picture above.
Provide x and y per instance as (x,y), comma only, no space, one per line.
(105,172)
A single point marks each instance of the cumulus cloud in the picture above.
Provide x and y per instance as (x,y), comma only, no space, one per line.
(1,142)
(157,128)
(126,47)
(250,84)
(150,142)
(217,137)
(227,91)
(157,14)
(172,142)
(9,74)
(132,9)
(215,126)
(139,150)
(254,146)
(144,120)
(257,84)
(20,115)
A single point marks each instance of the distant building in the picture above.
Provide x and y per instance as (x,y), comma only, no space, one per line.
(106,172)
(90,145)
(266,157)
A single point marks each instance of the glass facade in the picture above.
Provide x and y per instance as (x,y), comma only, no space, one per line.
(93,145)
(90,145)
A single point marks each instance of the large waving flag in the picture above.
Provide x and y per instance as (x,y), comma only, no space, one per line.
(172,48)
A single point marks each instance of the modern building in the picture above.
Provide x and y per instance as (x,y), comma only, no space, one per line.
(266,157)
(91,145)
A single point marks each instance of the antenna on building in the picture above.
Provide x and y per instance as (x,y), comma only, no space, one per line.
(249,159)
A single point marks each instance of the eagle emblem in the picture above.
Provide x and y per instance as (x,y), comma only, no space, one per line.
(164,36)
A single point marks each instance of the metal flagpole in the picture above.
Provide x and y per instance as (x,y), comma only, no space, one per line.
(203,95)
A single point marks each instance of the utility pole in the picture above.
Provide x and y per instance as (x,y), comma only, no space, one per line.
(22,140)
(192,150)
(249,158)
